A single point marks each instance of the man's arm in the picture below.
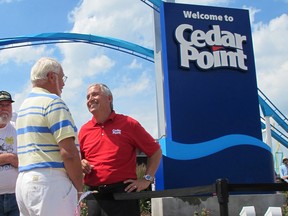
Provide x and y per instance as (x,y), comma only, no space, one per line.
(153,162)
(72,163)
(9,158)
(152,165)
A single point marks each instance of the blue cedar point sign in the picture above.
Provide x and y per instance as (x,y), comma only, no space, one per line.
(213,127)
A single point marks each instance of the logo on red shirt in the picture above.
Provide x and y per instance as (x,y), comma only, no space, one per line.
(116,131)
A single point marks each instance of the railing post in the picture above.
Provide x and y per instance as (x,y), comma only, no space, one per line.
(222,195)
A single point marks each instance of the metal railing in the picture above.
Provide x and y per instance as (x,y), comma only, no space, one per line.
(221,189)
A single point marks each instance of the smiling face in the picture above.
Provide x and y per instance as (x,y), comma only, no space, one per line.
(98,103)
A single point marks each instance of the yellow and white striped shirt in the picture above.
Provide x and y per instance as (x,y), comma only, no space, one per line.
(43,121)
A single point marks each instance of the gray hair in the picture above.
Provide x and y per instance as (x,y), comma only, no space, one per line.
(42,67)
(104,88)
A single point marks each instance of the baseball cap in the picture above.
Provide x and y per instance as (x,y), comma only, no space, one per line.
(5,96)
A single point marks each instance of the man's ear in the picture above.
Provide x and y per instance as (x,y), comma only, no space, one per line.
(51,77)
(110,97)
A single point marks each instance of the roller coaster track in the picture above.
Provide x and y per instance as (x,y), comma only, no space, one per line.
(270,110)
(53,38)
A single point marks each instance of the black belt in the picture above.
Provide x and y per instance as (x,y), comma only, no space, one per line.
(106,191)
(108,187)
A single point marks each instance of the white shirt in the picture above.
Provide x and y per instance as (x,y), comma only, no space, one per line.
(8,173)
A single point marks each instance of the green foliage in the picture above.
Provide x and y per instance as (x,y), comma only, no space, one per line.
(145,204)
(84,210)
(204,212)
(285,207)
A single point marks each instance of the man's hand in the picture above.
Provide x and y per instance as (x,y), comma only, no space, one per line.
(86,167)
(136,185)
(14,160)
(9,158)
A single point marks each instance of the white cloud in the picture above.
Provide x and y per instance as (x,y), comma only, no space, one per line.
(24,54)
(128,88)
(271,56)
(19,97)
(131,21)
(99,65)
(82,61)
(135,64)
(252,12)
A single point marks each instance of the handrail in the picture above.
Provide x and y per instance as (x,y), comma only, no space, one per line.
(220,189)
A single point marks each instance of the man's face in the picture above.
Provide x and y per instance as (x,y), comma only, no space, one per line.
(60,82)
(97,101)
(5,112)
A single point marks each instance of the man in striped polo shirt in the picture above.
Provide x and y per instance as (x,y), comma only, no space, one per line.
(49,162)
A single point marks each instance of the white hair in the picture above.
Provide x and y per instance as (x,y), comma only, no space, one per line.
(42,67)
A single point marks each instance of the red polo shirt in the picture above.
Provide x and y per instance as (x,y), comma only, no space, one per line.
(111,148)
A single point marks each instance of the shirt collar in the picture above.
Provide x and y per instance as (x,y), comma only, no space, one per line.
(39,89)
(110,118)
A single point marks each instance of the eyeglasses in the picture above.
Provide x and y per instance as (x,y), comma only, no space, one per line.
(64,78)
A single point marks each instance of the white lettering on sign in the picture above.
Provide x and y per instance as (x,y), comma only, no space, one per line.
(198,15)
(225,49)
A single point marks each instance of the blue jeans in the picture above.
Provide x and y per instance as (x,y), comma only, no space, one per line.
(8,205)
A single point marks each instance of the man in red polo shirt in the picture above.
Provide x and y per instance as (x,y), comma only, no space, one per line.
(109,143)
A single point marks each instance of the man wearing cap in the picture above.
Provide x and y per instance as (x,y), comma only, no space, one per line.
(284,169)
(8,157)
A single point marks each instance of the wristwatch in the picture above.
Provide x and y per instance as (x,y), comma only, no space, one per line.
(148,177)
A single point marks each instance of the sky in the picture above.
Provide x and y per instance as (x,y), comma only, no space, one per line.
(131,79)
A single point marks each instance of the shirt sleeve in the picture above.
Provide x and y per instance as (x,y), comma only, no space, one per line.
(60,121)
(143,140)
